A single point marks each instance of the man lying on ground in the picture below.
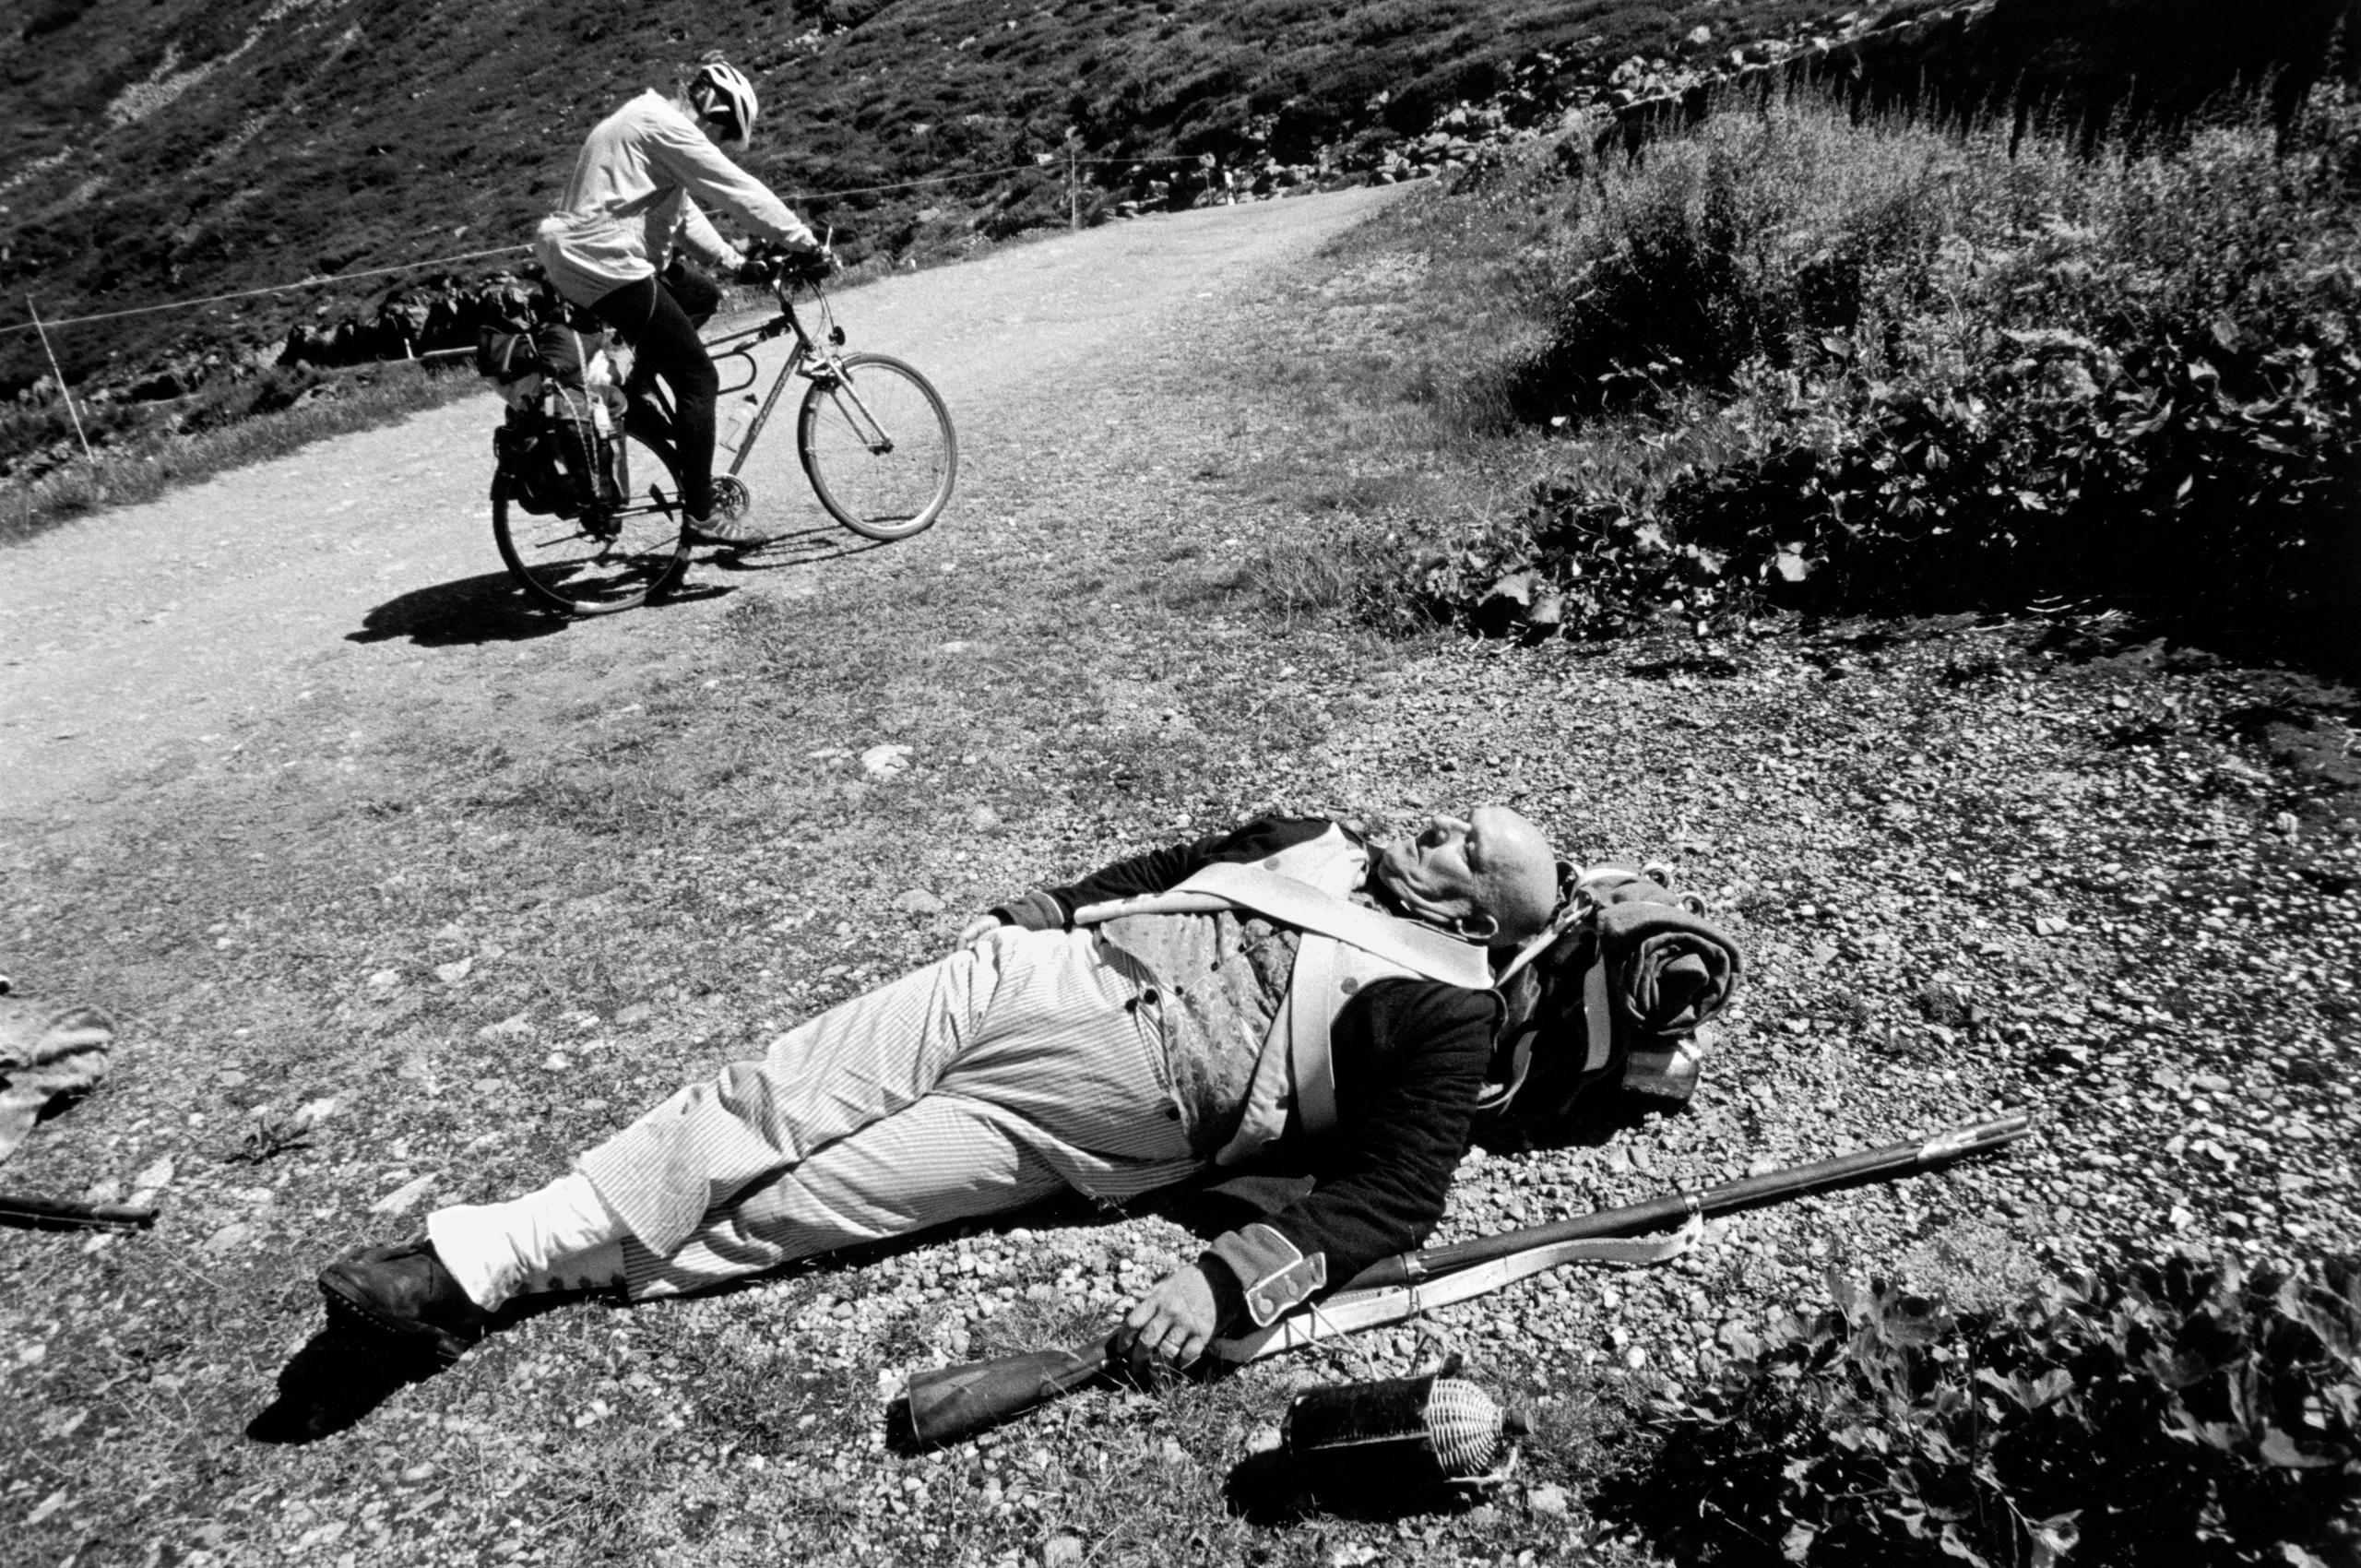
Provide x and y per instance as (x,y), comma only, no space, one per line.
(1190,1008)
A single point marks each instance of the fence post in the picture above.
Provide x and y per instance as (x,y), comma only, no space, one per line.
(71,411)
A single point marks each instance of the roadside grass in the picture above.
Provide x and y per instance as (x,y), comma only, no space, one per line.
(1886,366)
(248,426)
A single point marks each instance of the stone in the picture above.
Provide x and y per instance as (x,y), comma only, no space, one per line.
(402,1199)
(230,1237)
(888,761)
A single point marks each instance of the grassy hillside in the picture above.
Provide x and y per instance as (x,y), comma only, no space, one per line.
(166,149)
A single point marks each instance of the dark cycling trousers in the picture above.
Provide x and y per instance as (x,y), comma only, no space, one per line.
(664,342)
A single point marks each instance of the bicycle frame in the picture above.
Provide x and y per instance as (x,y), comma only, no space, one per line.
(742,345)
(806,352)
(860,476)
(808,357)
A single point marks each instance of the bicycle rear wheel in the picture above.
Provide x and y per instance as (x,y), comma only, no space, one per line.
(609,559)
(877,445)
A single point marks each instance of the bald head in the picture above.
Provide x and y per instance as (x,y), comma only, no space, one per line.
(1490,877)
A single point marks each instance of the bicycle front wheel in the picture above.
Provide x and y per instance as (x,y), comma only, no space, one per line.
(610,558)
(877,445)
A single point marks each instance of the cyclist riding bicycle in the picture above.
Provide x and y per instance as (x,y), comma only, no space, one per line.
(632,196)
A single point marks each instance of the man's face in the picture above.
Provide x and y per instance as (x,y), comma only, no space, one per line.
(1489,876)
(724,136)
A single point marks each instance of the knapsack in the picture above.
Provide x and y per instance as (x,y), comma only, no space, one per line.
(557,442)
(1616,997)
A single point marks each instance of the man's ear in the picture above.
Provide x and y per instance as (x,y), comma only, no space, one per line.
(1477,927)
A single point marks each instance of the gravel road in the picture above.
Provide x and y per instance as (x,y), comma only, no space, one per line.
(146,637)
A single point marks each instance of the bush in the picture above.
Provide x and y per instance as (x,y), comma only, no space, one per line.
(2187,1414)
(1919,374)
(1745,240)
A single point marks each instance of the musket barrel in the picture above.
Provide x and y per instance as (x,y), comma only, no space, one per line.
(1745,1192)
(24,1210)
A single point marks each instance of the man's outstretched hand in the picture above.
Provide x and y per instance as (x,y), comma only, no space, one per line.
(1176,1321)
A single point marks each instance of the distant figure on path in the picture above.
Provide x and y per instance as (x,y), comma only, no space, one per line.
(632,196)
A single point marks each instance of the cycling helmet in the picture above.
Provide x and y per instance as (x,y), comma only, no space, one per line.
(721,92)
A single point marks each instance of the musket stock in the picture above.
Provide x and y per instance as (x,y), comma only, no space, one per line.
(946,1404)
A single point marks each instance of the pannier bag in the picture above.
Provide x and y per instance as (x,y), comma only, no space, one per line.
(1615,995)
(558,441)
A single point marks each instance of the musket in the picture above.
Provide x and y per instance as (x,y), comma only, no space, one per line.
(946,1404)
(27,1212)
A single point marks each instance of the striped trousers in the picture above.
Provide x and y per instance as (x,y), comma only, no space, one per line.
(1026,1063)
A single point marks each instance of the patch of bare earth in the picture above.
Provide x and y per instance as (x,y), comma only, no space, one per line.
(491,885)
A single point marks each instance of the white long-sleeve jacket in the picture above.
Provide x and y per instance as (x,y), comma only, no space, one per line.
(633,195)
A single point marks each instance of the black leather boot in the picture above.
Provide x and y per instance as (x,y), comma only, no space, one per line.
(405,1291)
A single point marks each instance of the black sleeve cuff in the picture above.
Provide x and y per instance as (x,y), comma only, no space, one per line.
(1272,1273)
(1038,911)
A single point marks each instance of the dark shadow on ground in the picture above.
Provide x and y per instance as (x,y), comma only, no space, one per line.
(492,609)
(487,608)
(1591,1122)
(806,547)
(338,1376)
(344,1372)
(1271,1488)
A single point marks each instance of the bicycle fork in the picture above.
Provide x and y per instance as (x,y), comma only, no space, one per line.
(871,433)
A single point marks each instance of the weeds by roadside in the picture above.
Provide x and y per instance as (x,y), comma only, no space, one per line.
(245,423)
(1888,367)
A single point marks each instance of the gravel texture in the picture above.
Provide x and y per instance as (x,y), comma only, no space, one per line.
(458,899)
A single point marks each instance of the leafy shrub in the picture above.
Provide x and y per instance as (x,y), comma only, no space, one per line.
(1743,240)
(1918,373)
(2189,1414)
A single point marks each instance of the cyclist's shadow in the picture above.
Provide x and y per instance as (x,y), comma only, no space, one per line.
(808,547)
(486,608)
(491,607)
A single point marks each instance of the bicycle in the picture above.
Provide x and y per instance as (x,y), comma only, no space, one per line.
(872,436)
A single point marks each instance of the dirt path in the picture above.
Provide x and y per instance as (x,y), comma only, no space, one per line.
(149,638)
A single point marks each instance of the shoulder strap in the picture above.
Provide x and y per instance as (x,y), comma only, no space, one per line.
(1226,886)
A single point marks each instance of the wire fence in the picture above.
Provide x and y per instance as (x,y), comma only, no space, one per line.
(429,263)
